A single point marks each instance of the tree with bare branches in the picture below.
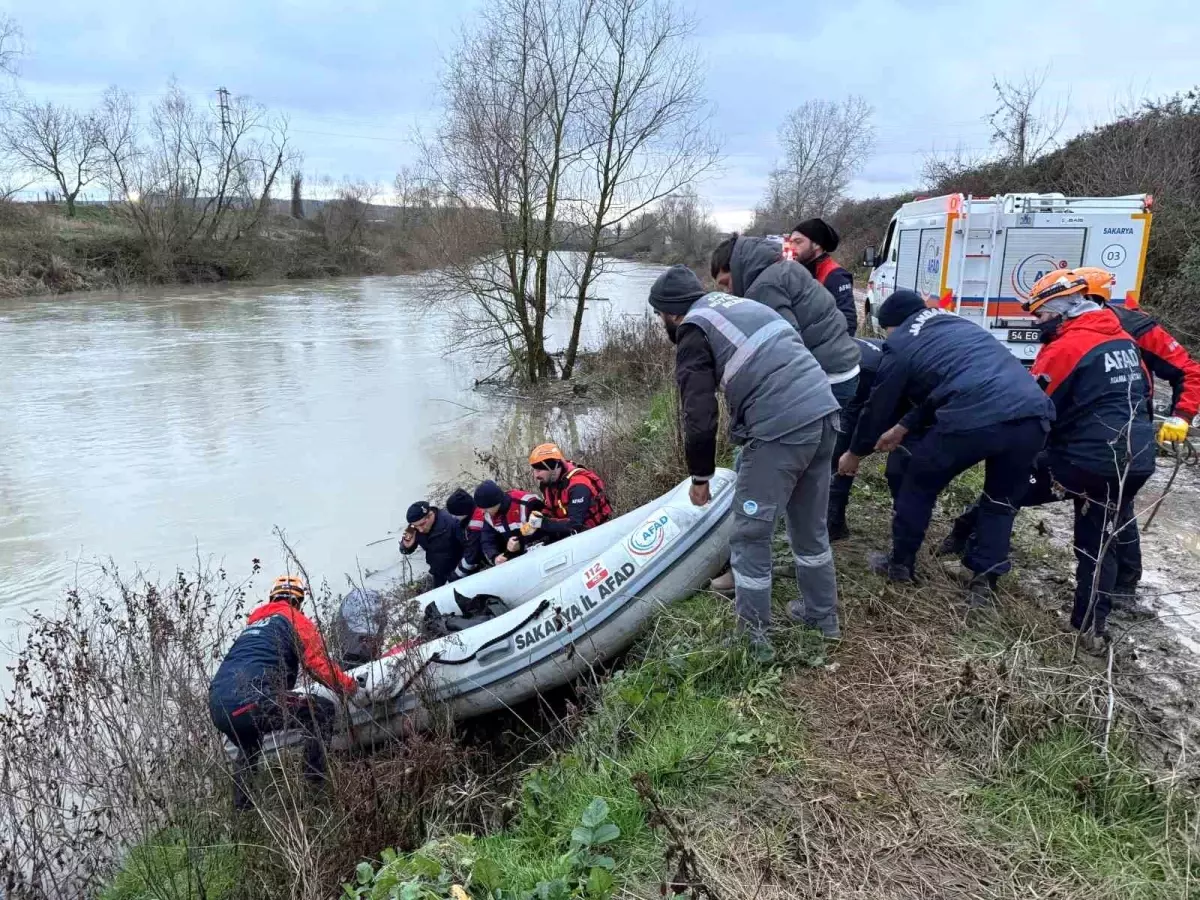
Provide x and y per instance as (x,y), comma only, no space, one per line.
(57,142)
(189,174)
(562,122)
(1025,128)
(825,144)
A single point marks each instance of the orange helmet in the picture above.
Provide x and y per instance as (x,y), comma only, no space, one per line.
(289,588)
(543,453)
(1099,281)
(1052,285)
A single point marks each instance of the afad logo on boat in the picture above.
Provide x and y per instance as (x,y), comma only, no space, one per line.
(649,539)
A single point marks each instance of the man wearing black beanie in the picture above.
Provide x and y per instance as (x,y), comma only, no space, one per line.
(969,400)
(783,413)
(812,241)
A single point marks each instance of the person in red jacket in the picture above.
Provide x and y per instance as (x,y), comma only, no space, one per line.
(1162,354)
(508,521)
(575,497)
(1101,447)
(251,694)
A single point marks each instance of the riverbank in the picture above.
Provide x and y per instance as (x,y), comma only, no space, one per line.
(43,251)
(929,755)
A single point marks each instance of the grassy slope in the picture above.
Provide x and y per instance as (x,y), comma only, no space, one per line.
(928,756)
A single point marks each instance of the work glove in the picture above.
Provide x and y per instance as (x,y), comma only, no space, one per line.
(1172,431)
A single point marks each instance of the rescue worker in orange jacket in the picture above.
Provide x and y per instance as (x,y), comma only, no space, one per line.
(575,497)
(1163,356)
(251,694)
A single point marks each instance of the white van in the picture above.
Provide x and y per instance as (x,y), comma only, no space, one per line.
(980,256)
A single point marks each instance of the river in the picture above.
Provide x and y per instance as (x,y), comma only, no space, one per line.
(167,426)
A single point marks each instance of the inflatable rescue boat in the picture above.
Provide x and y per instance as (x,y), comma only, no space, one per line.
(545,617)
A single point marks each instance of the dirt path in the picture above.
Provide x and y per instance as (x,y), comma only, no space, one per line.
(1157,665)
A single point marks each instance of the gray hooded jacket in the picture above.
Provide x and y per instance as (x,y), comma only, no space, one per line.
(760,273)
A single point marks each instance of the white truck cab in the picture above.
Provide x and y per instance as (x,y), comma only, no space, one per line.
(980,256)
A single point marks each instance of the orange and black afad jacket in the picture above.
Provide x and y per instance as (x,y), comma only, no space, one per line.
(1165,359)
(576,503)
(265,659)
(1093,372)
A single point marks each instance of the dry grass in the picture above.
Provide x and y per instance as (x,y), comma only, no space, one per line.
(912,779)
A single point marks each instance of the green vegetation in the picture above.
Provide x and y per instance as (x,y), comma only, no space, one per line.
(1062,799)
(684,719)
(172,865)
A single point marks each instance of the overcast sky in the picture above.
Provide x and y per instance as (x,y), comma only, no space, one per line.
(357,76)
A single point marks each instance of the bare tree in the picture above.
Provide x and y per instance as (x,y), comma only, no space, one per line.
(513,88)
(825,144)
(645,133)
(12,45)
(344,218)
(687,225)
(1023,127)
(190,173)
(562,121)
(57,142)
(938,168)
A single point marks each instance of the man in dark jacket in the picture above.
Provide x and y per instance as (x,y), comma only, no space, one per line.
(984,407)
(1101,448)
(782,412)
(461,505)
(754,267)
(839,489)
(437,533)
(251,694)
(812,242)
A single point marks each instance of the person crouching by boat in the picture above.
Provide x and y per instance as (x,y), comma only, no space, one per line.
(511,520)
(436,532)
(574,497)
(251,694)
(784,415)
(462,506)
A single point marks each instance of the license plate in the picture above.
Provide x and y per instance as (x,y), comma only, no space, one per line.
(1024,336)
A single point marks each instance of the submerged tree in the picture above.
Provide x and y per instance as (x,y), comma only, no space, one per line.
(561,120)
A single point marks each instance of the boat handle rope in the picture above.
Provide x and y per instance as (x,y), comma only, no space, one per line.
(437,657)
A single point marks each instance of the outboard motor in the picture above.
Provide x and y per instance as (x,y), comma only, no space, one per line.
(360,627)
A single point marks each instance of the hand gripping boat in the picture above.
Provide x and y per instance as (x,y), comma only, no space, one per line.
(570,605)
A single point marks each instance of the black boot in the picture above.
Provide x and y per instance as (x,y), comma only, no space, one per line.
(881,564)
(838,529)
(836,519)
(955,543)
(981,591)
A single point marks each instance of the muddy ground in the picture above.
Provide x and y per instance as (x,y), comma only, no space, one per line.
(1156,667)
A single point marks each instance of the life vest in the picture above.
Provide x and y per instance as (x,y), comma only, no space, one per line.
(824,268)
(556,496)
(511,519)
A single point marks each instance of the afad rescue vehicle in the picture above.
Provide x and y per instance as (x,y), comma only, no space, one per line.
(980,256)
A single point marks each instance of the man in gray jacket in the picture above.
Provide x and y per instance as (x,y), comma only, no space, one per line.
(754,267)
(783,413)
